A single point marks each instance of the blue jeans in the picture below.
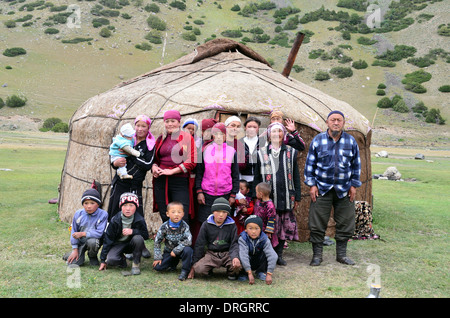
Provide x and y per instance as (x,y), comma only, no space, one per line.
(171,262)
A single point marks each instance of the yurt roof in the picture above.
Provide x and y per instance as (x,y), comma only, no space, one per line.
(224,75)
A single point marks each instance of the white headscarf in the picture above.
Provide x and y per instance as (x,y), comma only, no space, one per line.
(231,119)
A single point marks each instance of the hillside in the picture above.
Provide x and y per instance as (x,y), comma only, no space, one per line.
(57,77)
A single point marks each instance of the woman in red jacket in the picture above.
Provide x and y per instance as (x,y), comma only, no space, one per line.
(175,158)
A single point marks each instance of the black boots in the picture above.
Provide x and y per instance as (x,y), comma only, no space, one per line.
(341,253)
(317,254)
(279,250)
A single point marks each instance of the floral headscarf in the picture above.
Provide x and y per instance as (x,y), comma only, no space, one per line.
(276,125)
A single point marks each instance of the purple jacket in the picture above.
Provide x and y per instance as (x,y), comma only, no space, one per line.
(93,224)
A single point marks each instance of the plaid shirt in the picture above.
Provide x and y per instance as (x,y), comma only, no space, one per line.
(333,164)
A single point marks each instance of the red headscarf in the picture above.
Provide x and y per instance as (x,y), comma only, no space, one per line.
(208,123)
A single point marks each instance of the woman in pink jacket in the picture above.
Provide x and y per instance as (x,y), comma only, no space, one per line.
(217,173)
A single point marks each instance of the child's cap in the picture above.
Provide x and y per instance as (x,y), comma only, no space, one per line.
(190,121)
(221,204)
(128,197)
(91,194)
(254,219)
(127,130)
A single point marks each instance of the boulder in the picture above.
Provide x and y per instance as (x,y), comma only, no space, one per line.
(382,154)
(419,156)
(392,173)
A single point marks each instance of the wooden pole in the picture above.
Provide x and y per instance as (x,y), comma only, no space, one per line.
(293,54)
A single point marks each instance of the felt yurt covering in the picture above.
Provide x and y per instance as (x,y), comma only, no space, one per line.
(218,79)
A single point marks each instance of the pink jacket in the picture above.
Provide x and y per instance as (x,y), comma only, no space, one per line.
(218,174)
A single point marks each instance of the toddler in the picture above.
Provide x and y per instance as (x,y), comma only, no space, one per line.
(122,146)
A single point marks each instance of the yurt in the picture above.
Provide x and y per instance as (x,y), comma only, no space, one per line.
(218,79)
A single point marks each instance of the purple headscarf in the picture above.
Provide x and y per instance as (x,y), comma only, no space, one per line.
(275,125)
(172,114)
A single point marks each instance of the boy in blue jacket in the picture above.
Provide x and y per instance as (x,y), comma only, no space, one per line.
(256,252)
(88,226)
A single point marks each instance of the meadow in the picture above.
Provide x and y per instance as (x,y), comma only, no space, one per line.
(410,260)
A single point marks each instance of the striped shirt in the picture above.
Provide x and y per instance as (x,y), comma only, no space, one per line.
(333,164)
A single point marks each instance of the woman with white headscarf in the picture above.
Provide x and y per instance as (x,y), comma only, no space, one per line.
(233,125)
(277,166)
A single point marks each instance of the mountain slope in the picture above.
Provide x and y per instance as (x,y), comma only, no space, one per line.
(58,77)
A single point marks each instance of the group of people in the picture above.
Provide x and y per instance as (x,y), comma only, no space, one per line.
(224,201)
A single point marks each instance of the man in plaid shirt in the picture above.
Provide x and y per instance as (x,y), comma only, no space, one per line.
(332,171)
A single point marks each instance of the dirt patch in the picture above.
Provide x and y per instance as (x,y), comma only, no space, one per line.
(20,123)
(422,139)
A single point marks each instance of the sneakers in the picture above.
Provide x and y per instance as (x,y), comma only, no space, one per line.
(135,270)
(183,275)
(259,275)
(93,261)
(146,253)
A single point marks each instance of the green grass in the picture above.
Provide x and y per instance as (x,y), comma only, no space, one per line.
(415,218)
(411,218)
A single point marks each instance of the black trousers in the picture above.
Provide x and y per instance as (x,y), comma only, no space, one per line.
(258,263)
(175,189)
(319,215)
(134,246)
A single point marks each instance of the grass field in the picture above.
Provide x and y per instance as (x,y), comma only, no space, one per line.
(411,259)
